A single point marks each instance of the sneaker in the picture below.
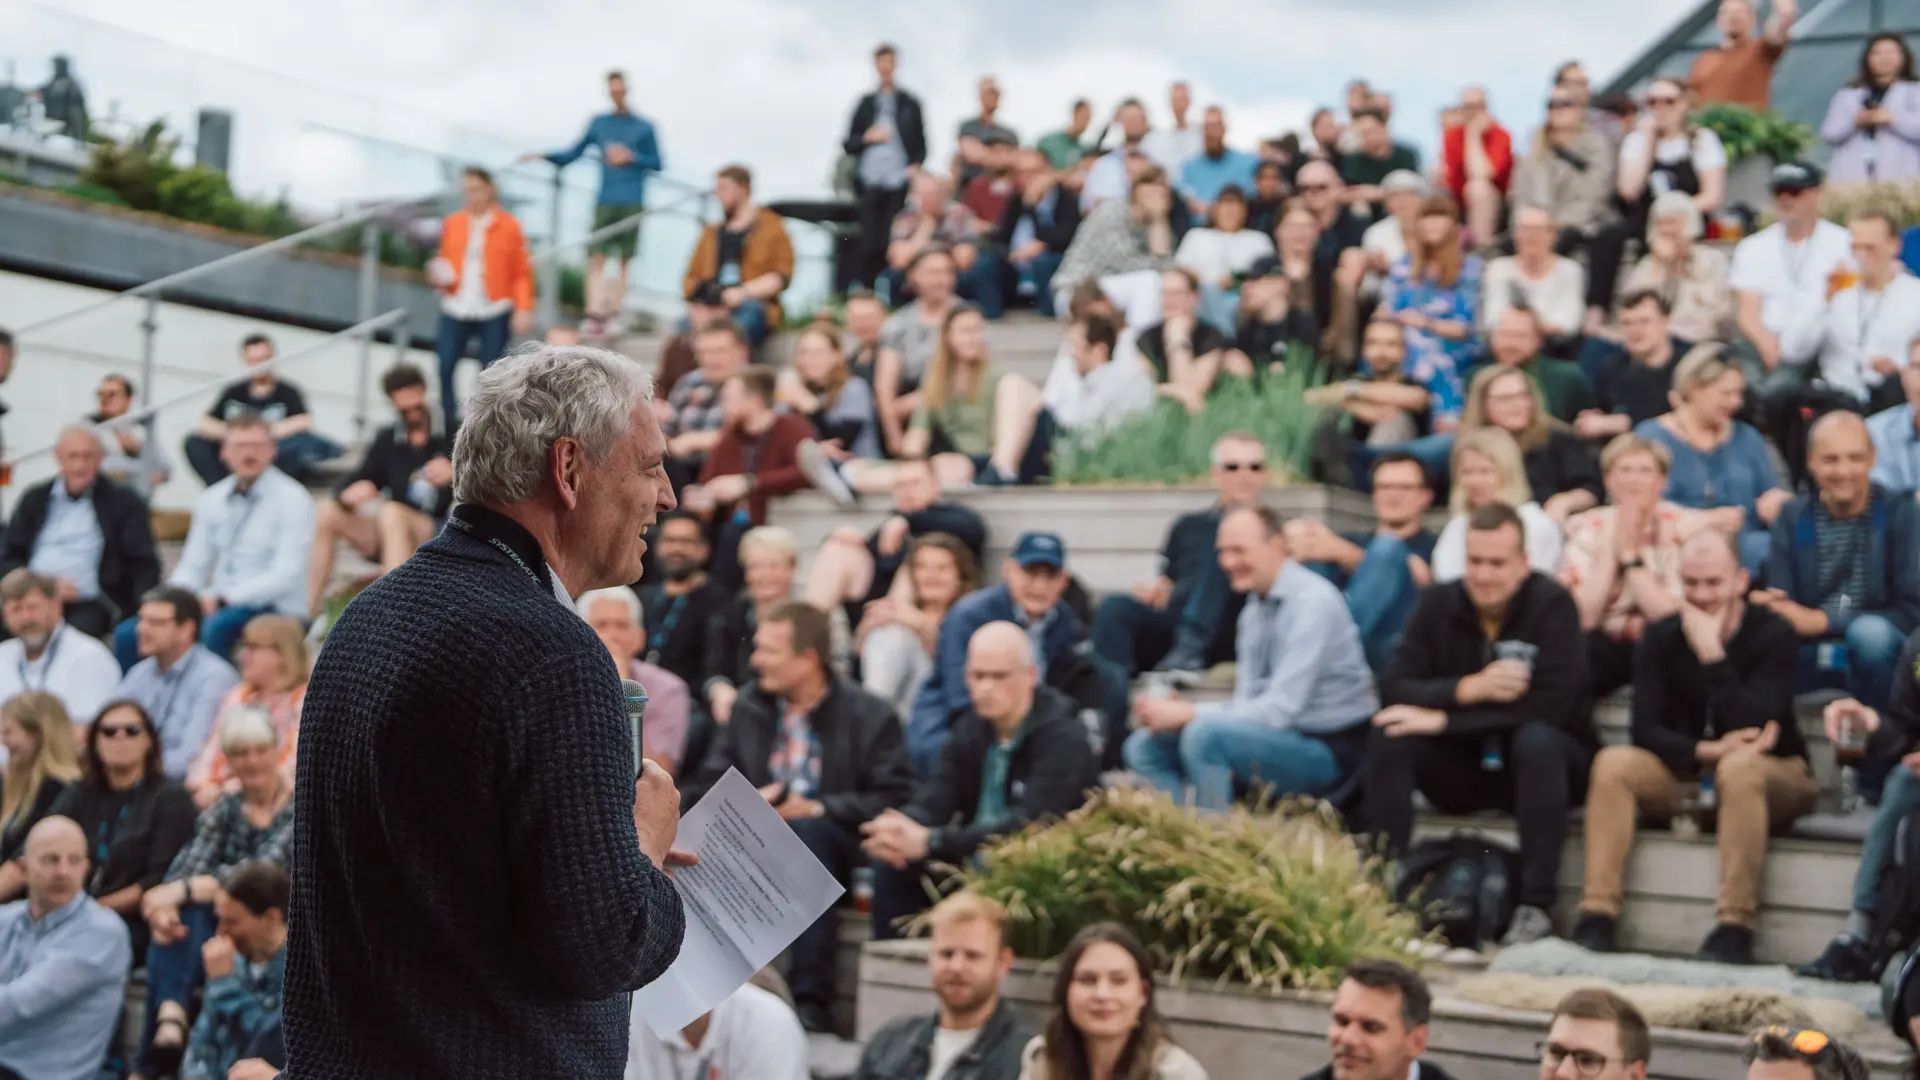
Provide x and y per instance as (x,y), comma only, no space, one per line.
(1596,933)
(821,471)
(1529,925)
(1846,959)
(1727,944)
(1183,667)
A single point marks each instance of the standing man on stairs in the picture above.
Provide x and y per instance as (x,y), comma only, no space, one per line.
(887,142)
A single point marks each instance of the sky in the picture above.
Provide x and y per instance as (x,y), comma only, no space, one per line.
(357,97)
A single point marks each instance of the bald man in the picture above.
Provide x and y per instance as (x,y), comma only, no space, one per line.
(63,964)
(1844,571)
(1020,752)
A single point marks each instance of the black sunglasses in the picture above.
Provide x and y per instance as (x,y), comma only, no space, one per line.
(115,731)
(1561,103)
(1247,466)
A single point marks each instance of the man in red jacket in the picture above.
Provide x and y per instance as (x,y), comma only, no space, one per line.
(1478,157)
(757,457)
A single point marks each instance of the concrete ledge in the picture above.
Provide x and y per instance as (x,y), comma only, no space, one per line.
(1235,1033)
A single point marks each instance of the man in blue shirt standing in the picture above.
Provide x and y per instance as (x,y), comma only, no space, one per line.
(628,152)
(63,965)
(1217,165)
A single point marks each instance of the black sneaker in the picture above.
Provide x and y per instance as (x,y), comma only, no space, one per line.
(1846,959)
(1183,667)
(814,1017)
(1595,932)
(1727,944)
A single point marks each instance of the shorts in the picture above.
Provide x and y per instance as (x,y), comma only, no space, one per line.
(622,244)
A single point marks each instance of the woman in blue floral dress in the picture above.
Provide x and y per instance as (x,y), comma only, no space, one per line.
(1434,291)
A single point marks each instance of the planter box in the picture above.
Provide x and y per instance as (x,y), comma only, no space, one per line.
(1237,1034)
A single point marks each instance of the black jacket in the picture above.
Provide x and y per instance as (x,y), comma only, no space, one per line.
(129,565)
(1893,571)
(390,462)
(1673,693)
(1899,732)
(963,523)
(1051,771)
(1443,643)
(1066,220)
(903,1049)
(677,630)
(1563,463)
(142,830)
(906,118)
(863,759)
(730,632)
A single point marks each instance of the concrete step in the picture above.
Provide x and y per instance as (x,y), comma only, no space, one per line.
(1113,534)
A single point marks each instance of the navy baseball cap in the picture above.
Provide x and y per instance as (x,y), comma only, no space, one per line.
(1040,549)
(1795,176)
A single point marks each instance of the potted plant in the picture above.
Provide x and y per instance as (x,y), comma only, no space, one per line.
(1755,141)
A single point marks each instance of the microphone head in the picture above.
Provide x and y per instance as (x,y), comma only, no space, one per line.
(633,692)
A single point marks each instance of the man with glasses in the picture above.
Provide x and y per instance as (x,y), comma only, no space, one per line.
(1381,572)
(49,653)
(1779,1052)
(131,460)
(1182,621)
(180,683)
(1781,279)
(1595,1035)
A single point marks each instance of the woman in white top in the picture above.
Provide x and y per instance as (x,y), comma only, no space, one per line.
(897,633)
(1691,277)
(1104,1025)
(1552,285)
(1487,469)
(1219,254)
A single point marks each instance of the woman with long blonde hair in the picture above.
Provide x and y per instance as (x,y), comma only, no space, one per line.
(977,424)
(1487,468)
(1561,471)
(41,762)
(273,663)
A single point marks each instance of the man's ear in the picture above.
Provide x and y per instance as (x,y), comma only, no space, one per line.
(564,462)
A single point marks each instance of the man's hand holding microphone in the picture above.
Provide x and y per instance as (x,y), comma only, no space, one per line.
(656,817)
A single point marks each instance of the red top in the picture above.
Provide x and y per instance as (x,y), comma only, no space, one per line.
(1453,154)
(777,472)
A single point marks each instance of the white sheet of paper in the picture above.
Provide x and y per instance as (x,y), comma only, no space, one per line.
(756,888)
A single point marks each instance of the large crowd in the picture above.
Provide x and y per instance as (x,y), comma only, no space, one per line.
(1672,451)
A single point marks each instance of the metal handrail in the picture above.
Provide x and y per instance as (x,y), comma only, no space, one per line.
(363,329)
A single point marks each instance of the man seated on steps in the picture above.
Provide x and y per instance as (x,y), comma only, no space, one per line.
(1091,387)
(683,602)
(1017,754)
(179,682)
(48,653)
(1182,621)
(1713,703)
(691,417)
(1779,1052)
(1893,735)
(1482,712)
(827,755)
(405,480)
(850,568)
(756,457)
(1843,570)
(250,546)
(1381,572)
(266,395)
(91,535)
(620,623)
(1302,693)
(1379,1025)
(1596,1034)
(974,1033)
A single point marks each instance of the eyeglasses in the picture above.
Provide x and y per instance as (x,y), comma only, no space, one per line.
(1585,1062)
(1243,466)
(1663,101)
(1311,188)
(1561,103)
(116,731)
(1806,1042)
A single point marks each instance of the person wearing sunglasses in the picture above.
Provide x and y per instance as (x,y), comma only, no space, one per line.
(136,818)
(1779,1052)
(1595,1034)
(1783,278)
(1568,172)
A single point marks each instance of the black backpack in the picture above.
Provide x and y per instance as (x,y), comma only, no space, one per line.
(1462,886)
(1896,905)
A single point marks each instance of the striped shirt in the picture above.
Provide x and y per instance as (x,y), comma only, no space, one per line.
(1840,558)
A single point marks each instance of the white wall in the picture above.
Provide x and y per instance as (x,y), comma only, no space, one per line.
(55,372)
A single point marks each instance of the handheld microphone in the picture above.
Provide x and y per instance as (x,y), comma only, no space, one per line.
(636,696)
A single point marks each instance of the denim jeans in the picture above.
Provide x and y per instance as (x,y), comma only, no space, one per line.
(1220,307)
(219,632)
(1198,620)
(1862,661)
(174,972)
(451,344)
(1040,270)
(985,282)
(295,455)
(751,315)
(1211,754)
(1433,452)
(1380,593)
(1900,798)
(813,956)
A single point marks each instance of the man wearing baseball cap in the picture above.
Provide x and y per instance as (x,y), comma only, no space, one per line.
(1782,278)
(1033,581)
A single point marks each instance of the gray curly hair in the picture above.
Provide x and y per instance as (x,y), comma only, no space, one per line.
(532,398)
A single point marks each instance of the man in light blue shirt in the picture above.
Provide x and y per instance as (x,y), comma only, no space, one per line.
(1217,165)
(1108,178)
(248,551)
(180,683)
(63,964)
(1896,441)
(1297,723)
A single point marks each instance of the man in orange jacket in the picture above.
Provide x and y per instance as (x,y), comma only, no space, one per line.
(485,280)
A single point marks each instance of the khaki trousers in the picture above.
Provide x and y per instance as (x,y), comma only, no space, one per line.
(1756,794)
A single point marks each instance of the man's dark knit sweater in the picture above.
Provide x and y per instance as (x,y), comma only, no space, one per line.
(469,896)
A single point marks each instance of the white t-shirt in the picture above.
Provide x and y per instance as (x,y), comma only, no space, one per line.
(753,1036)
(1114,391)
(1792,282)
(1545,544)
(1171,147)
(1705,148)
(75,668)
(1213,255)
(947,1048)
(1861,327)
(1559,298)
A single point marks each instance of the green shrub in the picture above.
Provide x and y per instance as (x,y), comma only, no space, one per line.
(134,169)
(1273,900)
(200,194)
(1749,133)
(1168,445)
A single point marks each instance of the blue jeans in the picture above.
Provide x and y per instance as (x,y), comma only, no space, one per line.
(219,632)
(1862,664)
(1211,754)
(1900,798)
(451,344)
(1040,271)
(985,283)
(174,972)
(1221,307)
(1433,452)
(751,315)
(1380,593)
(1197,623)
(296,455)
